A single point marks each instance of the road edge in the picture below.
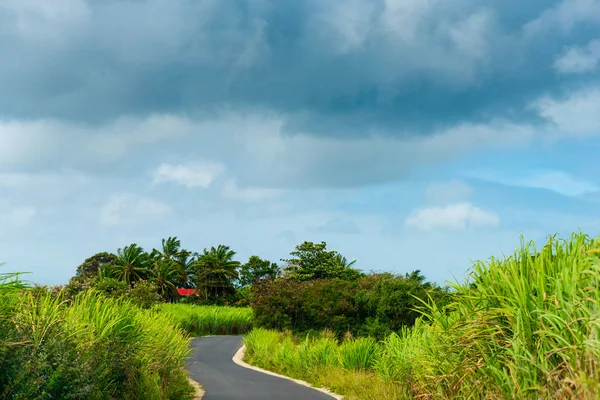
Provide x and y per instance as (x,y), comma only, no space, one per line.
(198,390)
(238,358)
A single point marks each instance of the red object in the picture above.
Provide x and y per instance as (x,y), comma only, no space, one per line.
(186,292)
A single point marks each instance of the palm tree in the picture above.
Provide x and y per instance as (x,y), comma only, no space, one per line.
(215,269)
(186,262)
(417,277)
(131,264)
(165,276)
(342,262)
(172,253)
(171,248)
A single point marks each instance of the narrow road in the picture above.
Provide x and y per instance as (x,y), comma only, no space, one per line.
(211,365)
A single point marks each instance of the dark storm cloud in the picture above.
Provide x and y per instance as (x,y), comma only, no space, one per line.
(340,68)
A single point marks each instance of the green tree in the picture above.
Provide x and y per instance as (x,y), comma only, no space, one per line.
(313,261)
(186,261)
(256,269)
(91,266)
(165,276)
(341,261)
(131,264)
(216,270)
(175,257)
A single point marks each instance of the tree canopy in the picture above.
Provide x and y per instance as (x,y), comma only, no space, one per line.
(313,261)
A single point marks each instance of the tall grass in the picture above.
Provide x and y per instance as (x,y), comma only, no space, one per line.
(209,320)
(91,348)
(344,368)
(525,327)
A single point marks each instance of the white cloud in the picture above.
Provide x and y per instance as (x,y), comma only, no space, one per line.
(232,191)
(579,60)
(234,139)
(25,142)
(345,25)
(198,175)
(575,115)
(46,23)
(131,209)
(403,17)
(470,36)
(458,216)
(447,192)
(565,16)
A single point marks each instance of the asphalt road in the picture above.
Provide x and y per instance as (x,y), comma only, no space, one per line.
(211,365)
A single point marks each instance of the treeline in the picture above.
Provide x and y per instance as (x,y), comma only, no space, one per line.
(315,288)
(321,290)
(154,276)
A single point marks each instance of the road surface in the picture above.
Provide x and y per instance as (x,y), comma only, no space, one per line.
(212,366)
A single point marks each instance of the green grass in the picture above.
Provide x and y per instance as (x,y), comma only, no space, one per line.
(91,348)
(209,320)
(321,360)
(524,327)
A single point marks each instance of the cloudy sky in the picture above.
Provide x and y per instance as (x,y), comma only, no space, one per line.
(407,134)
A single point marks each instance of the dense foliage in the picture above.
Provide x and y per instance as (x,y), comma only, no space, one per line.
(150,277)
(90,347)
(313,261)
(372,305)
(526,326)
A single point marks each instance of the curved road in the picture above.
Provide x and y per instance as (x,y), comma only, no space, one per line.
(212,366)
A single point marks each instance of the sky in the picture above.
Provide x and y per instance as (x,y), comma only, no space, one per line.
(407,134)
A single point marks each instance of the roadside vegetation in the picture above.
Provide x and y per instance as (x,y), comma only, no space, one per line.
(525,326)
(119,329)
(209,320)
(88,347)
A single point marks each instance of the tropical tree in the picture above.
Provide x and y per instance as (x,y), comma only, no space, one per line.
(417,277)
(131,264)
(186,262)
(165,276)
(256,269)
(341,261)
(313,261)
(215,270)
(171,253)
(90,267)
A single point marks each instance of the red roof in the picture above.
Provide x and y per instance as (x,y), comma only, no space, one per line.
(186,292)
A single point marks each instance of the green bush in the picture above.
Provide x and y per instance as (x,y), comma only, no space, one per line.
(374,305)
(111,287)
(144,294)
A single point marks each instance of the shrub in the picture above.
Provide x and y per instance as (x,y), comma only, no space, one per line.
(144,294)
(375,305)
(303,306)
(111,287)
